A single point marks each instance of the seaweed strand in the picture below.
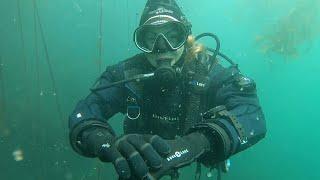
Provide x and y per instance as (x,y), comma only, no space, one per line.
(22,36)
(52,77)
(50,67)
(38,85)
(128,30)
(100,35)
(2,99)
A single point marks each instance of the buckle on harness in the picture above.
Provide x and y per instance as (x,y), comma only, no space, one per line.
(133,112)
(133,108)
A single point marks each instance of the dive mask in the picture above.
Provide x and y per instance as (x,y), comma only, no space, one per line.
(175,34)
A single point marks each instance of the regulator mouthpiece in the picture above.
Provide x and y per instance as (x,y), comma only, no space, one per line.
(165,74)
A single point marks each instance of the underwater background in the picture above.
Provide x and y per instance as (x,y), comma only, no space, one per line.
(52,51)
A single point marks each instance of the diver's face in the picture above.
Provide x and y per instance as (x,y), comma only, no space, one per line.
(162,48)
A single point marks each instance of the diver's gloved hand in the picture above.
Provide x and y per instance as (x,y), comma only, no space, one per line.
(184,151)
(101,143)
(133,155)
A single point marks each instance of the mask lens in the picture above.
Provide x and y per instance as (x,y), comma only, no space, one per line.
(175,33)
(145,38)
(176,36)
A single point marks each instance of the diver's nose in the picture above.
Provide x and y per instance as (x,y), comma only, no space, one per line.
(161,45)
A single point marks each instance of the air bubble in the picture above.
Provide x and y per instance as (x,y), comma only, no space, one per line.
(18,155)
(209,174)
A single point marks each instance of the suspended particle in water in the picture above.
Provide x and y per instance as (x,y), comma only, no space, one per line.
(56,163)
(41,93)
(77,7)
(68,176)
(252,132)
(54,94)
(18,155)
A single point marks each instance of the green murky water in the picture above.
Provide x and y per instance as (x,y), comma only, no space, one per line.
(51,52)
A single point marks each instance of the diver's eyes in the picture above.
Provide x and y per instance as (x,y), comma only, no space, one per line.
(149,36)
(149,39)
(173,35)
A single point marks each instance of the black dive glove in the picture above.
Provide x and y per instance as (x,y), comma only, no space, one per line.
(132,155)
(184,151)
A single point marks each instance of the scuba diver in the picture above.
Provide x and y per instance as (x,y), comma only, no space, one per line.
(180,104)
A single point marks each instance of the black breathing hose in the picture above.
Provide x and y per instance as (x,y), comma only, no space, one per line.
(137,78)
(216,52)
